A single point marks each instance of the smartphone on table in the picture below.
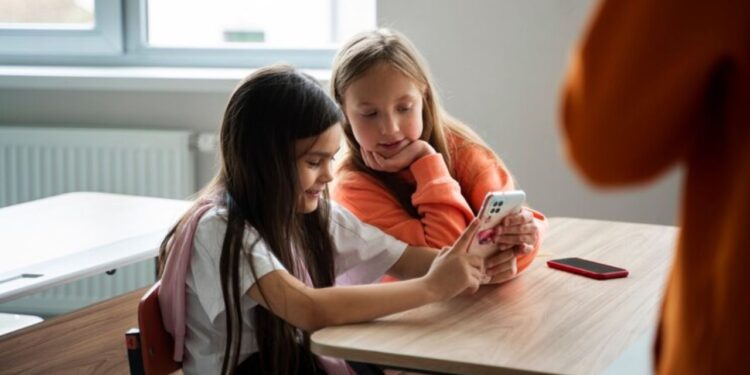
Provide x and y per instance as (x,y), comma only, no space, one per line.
(496,206)
(588,268)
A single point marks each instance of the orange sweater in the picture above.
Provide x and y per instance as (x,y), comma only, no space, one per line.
(445,204)
(662,83)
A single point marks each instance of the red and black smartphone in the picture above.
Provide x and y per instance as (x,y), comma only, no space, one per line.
(587,268)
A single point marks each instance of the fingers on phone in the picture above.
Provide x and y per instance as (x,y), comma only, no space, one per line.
(504,246)
(521,217)
(511,266)
(522,249)
(515,239)
(503,256)
(503,272)
(475,280)
(525,228)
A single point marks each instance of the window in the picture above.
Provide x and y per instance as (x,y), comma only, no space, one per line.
(218,33)
(60,27)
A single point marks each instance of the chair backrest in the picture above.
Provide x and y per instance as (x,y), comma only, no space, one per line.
(157,345)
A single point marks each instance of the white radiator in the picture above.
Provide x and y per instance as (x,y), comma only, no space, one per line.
(40,162)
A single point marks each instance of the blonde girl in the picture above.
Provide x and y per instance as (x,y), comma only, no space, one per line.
(412,170)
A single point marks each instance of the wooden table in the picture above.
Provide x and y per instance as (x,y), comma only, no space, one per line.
(87,341)
(544,321)
(55,240)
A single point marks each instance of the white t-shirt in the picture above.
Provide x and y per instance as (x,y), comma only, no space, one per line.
(363,254)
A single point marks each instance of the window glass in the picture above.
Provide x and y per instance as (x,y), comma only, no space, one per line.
(46,14)
(256,23)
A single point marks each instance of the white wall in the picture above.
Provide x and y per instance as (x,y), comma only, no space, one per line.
(498,64)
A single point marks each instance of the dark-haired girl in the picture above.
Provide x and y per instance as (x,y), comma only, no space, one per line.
(263,258)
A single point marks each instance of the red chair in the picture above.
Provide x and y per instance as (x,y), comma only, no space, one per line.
(153,342)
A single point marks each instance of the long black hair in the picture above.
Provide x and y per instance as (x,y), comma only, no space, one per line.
(258,184)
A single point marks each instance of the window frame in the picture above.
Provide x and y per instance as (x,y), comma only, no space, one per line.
(105,38)
(129,46)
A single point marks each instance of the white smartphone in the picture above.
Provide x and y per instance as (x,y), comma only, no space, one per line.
(496,206)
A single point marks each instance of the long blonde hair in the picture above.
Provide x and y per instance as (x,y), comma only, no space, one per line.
(358,56)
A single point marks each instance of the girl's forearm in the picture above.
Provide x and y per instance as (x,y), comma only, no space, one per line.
(351,304)
(413,263)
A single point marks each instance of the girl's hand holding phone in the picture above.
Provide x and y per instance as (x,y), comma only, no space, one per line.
(454,271)
(516,235)
(500,267)
(399,161)
(518,232)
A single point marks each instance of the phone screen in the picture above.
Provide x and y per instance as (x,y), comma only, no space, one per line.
(588,265)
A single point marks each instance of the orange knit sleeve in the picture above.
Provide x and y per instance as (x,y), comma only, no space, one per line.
(635,91)
(443,211)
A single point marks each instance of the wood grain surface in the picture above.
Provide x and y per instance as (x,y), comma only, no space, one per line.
(544,321)
(87,341)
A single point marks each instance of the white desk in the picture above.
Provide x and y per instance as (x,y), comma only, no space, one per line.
(14,322)
(55,240)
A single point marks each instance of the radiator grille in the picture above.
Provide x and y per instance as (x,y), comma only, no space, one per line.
(41,162)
